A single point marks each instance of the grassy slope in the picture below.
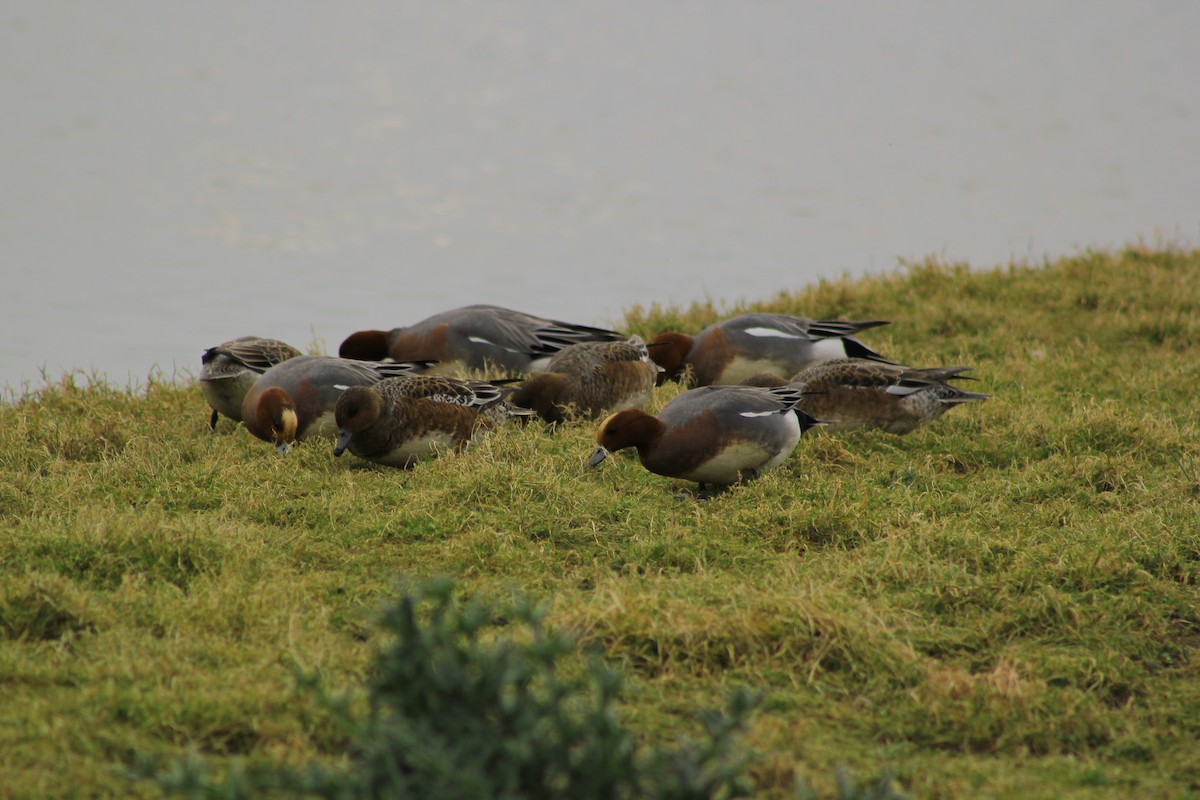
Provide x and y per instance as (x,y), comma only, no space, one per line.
(1005,603)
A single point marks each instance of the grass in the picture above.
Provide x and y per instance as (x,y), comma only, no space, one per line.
(1003,604)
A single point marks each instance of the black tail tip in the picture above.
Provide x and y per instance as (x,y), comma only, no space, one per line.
(856,349)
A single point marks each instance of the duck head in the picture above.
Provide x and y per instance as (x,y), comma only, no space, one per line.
(357,409)
(276,413)
(365,346)
(629,428)
(669,350)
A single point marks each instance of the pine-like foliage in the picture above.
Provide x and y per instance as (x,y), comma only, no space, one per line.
(469,701)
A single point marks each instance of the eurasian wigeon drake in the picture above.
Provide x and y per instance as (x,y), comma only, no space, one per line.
(228,370)
(589,378)
(851,393)
(398,421)
(730,351)
(295,399)
(714,435)
(475,336)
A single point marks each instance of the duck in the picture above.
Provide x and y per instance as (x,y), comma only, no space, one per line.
(732,350)
(586,379)
(852,393)
(296,398)
(714,436)
(228,370)
(398,421)
(475,337)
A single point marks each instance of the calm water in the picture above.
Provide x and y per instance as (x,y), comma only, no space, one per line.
(179,174)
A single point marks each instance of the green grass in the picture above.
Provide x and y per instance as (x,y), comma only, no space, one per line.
(1003,604)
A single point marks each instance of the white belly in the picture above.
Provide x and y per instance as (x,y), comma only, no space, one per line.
(414,450)
(740,369)
(729,466)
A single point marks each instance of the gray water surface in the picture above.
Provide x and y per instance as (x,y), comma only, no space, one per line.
(179,174)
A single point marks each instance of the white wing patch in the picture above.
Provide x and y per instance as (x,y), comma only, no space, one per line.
(773,332)
(759,413)
(489,343)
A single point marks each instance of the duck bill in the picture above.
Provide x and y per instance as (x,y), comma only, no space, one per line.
(343,441)
(597,457)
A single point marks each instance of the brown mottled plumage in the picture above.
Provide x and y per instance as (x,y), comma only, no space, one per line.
(851,393)
(228,370)
(589,378)
(398,421)
(295,399)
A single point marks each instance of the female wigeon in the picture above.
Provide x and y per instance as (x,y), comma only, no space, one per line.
(475,336)
(851,393)
(714,435)
(296,398)
(588,378)
(730,351)
(400,420)
(228,370)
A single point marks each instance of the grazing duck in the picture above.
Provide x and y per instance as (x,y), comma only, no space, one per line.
(734,349)
(589,378)
(712,435)
(228,370)
(296,398)
(475,336)
(852,393)
(400,420)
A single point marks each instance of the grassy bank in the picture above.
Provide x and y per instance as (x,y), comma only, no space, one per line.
(1004,604)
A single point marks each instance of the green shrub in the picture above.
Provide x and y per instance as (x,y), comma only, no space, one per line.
(457,711)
